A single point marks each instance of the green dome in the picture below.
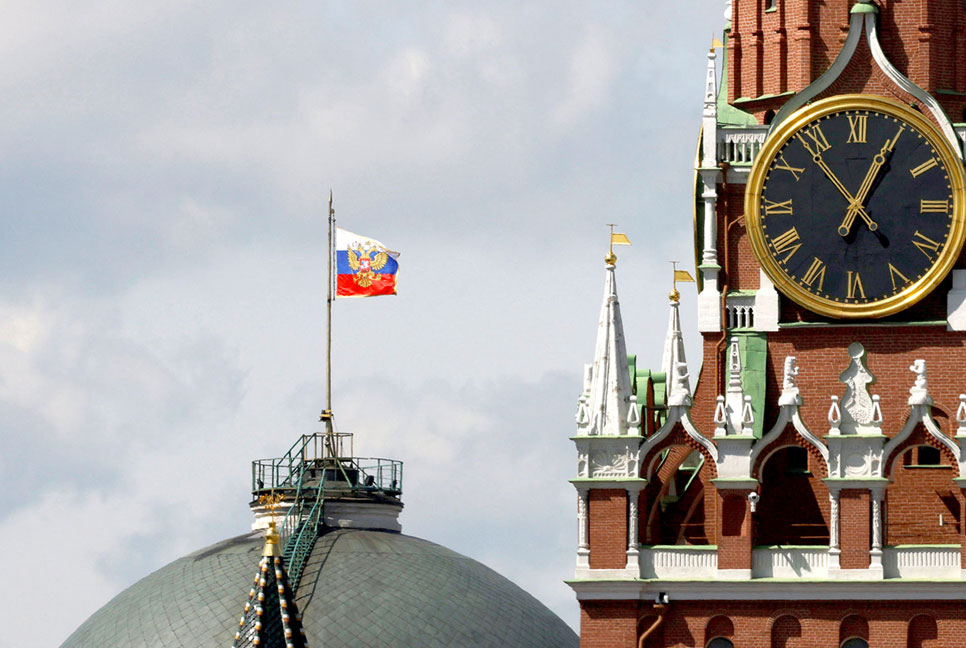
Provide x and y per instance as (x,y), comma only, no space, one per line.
(360,588)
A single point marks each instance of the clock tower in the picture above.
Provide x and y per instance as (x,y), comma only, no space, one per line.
(806,486)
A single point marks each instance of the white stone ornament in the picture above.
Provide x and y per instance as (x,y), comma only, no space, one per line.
(680,391)
(790,393)
(857,407)
(919,392)
(720,417)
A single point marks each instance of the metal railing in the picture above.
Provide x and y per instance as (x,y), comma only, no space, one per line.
(741,144)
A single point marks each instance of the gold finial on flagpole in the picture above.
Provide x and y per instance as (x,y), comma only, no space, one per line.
(616,238)
(679,275)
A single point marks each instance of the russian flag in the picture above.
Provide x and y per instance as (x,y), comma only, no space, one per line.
(364,267)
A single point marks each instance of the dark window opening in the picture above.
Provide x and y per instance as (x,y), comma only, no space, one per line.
(720,642)
(928,456)
(797,460)
(769,117)
(855,642)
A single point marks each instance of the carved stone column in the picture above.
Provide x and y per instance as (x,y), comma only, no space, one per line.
(877,530)
(633,541)
(833,530)
(583,538)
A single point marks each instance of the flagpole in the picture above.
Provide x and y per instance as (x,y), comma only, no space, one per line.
(327,412)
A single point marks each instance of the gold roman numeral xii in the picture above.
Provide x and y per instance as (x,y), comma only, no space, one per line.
(858,125)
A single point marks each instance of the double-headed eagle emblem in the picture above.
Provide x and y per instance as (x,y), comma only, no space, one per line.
(364,264)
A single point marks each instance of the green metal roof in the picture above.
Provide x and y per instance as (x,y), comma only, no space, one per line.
(360,588)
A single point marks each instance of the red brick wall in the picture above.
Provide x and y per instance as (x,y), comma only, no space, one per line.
(915,501)
(734,539)
(608,624)
(792,624)
(854,529)
(771,53)
(608,528)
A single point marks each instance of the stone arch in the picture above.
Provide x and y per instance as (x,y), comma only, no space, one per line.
(673,501)
(789,429)
(793,503)
(718,627)
(923,632)
(786,632)
(853,626)
(919,436)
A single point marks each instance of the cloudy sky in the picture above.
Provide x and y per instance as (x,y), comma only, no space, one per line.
(164,174)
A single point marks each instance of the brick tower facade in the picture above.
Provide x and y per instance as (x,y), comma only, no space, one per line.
(809,491)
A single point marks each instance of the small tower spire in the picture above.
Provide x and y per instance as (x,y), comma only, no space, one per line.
(610,385)
(673,360)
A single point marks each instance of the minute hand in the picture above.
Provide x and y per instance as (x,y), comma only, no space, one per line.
(817,158)
(877,163)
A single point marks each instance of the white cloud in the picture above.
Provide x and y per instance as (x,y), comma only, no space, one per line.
(161,315)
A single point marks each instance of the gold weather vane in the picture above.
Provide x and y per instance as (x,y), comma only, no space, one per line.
(272,502)
(616,238)
(679,275)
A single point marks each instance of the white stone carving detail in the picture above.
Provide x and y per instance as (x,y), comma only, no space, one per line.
(857,401)
(632,523)
(680,391)
(610,463)
(582,518)
(919,392)
(833,526)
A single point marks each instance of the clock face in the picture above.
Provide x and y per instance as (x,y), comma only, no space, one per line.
(855,207)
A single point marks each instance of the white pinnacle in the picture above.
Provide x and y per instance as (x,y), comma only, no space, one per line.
(610,387)
(673,362)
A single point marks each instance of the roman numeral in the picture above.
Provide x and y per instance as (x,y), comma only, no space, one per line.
(857,124)
(934,207)
(819,141)
(925,244)
(787,242)
(816,272)
(783,208)
(925,166)
(854,285)
(893,273)
(782,165)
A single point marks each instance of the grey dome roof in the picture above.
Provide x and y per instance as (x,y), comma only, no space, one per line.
(360,588)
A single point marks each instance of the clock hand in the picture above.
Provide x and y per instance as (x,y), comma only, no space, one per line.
(877,163)
(817,158)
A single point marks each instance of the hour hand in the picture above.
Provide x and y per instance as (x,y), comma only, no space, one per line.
(853,203)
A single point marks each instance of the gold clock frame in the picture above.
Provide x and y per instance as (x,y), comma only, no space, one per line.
(912,293)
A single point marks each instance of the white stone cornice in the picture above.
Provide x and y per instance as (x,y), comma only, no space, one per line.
(793,589)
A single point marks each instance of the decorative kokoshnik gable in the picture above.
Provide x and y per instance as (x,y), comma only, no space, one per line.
(271,618)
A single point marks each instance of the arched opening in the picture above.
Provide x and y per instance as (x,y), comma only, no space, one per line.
(786,632)
(719,630)
(769,117)
(923,632)
(922,503)
(675,496)
(855,642)
(854,632)
(793,508)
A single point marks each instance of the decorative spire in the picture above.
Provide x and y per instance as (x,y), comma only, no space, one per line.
(271,618)
(674,364)
(610,386)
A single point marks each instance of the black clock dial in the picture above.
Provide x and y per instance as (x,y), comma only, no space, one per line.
(857,206)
